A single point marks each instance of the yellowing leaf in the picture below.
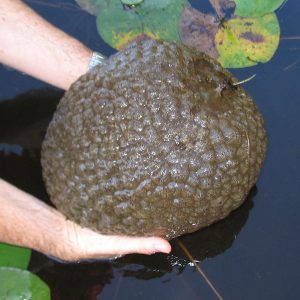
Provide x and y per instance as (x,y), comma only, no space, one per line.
(120,40)
(244,42)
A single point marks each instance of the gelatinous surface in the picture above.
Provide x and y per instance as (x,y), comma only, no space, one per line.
(156,141)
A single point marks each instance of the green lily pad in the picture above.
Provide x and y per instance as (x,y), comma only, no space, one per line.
(158,4)
(13,256)
(151,19)
(256,8)
(21,284)
(244,42)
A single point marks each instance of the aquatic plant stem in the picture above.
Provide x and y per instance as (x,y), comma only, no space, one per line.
(243,81)
(199,270)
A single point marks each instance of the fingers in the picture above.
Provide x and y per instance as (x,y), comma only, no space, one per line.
(83,243)
(122,245)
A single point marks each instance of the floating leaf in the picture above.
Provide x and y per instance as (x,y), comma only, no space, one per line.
(198,30)
(13,256)
(21,284)
(158,4)
(119,25)
(256,8)
(244,42)
(91,6)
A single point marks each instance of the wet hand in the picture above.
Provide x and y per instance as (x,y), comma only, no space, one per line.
(82,243)
(26,221)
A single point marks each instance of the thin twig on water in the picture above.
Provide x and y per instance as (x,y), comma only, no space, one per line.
(200,271)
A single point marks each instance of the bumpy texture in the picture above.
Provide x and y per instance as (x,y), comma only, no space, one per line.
(156,141)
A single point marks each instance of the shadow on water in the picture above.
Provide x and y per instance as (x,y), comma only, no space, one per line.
(206,243)
(23,123)
(262,263)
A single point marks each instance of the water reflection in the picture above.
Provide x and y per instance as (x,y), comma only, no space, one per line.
(87,280)
(23,122)
(72,280)
(202,244)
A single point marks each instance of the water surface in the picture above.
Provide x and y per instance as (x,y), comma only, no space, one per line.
(253,254)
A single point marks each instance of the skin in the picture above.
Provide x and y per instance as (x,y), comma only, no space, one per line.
(25,220)
(32,45)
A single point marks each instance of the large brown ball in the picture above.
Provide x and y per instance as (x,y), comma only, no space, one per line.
(156,141)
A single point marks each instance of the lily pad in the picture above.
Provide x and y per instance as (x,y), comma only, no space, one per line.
(13,256)
(119,25)
(198,30)
(244,42)
(158,4)
(256,8)
(21,284)
(91,6)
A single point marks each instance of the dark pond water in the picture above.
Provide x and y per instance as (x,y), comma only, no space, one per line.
(253,254)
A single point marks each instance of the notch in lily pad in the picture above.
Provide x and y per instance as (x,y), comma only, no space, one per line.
(245,42)
(256,8)
(156,19)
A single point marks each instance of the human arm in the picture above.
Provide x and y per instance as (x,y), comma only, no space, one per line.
(28,222)
(32,45)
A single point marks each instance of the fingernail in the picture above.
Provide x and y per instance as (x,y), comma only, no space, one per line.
(160,248)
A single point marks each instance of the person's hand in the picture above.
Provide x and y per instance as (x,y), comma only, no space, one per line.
(27,221)
(24,220)
(82,243)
